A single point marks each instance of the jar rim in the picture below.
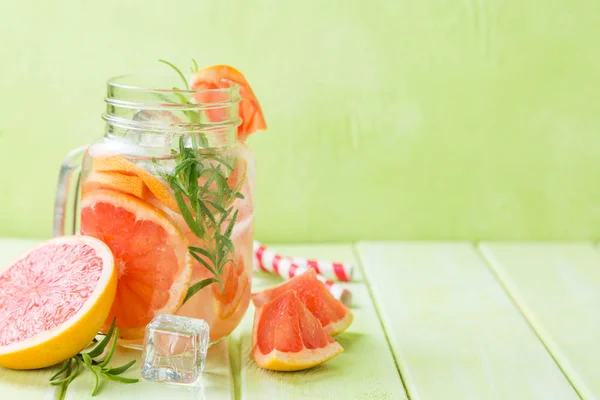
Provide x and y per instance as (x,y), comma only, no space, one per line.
(155,103)
(121,82)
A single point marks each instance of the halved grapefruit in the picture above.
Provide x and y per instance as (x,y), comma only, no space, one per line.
(332,314)
(287,337)
(153,264)
(53,301)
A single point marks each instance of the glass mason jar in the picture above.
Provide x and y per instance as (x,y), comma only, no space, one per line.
(169,188)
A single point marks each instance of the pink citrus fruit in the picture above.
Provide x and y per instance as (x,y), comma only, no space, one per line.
(54,299)
(151,257)
(332,314)
(287,337)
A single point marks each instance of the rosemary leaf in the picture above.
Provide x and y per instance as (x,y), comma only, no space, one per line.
(202,251)
(193,116)
(121,379)
(197,287)
(203,262)
(180,96)
(61,371)
(178,72)
(187,215)
(121,369)
(220,160)
(206,211)
(97,376)
(226,241)
(87,360)
(96,351)
(216,206)
(225,215)
(206,187)
(192,181)
(182,166)
(229,229)
(172,180)
(181,146)
(221,181)
(61,381)
(112,349)
(203,140)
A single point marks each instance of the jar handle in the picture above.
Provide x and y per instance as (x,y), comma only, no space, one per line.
(67,193)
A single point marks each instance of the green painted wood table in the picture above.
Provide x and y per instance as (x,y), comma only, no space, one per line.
(433,321)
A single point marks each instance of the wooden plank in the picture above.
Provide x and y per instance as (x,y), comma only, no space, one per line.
(365,370)
(557,287)
(453,330)
(216,381)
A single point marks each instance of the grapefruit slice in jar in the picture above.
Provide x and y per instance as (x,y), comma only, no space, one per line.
(332,314)
(118,164)
(287,337)
(151,257)
(129,184)
(224,76)
(236,289)
(53,301)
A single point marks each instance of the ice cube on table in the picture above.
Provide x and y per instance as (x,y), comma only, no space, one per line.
(174,349)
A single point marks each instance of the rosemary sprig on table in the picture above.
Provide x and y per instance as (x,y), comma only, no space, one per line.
(204,197)
(71,367)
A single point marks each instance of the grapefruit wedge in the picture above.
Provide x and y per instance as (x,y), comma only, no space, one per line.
(287,337)
(153,265)
(224,76)
(332,314)
(53,301)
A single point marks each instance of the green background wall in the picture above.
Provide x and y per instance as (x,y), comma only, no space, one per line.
(388,119)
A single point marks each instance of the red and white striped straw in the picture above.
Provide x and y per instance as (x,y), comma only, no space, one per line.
(268,261)
(331,270)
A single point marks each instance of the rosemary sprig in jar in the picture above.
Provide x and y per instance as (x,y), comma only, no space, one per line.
(204,198)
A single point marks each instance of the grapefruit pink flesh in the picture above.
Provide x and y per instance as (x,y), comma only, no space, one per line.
(153,265)
(54,300)
(287,337)
(332,314)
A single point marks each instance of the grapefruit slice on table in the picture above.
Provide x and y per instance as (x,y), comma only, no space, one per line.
(287,337)
(332,314)
(223,76)
(53,301)
(151,257)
